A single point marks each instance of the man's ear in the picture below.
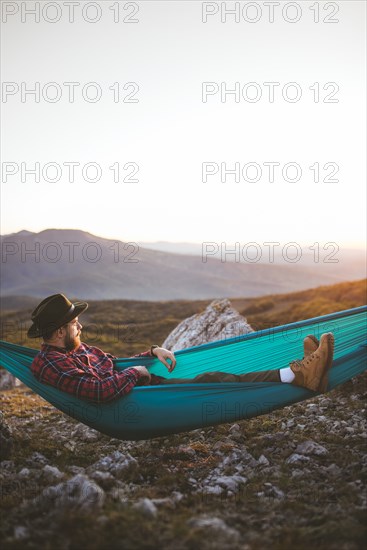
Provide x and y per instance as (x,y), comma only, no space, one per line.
(59,331)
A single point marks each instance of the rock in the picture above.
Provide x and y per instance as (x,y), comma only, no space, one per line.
(6,438)
(24,473)
(234,428)
(21,532)
(75,469)
(296,459)
(230,483)
(298,473)
(186,450)
(78,493)
(290,423)
(146,507)
(349,430)
(333,470)
(213,490)
(177,496)
(104,479)
(227,475)
(85,433)
(216,524)
(240,457)
(263,461)
(326,402)
(52,474)
(219,321)
(71,445)
(120,493)
(116,464)
(7,380)
(166,502)
(36,460)
(7,466)
(274,492)
(235,436)
(311,448)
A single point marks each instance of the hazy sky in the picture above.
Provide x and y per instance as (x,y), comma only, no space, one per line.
(317,119)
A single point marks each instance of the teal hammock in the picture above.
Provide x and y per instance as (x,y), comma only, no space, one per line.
(152,411)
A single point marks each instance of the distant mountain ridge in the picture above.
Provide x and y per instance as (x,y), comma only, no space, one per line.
(216,250)
(90,267)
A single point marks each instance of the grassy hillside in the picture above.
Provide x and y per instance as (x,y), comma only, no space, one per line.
(125,327)
(288,308)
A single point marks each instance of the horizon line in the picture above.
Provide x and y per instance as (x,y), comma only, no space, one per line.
(358,246)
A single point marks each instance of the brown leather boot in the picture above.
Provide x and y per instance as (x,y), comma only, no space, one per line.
(310,344)
(312,371)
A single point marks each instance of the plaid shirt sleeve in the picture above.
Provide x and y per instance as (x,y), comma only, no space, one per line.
(90,375)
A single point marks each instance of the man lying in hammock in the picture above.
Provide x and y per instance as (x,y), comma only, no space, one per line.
(88,373)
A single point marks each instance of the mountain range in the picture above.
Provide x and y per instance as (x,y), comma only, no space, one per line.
(86,266)
(326,251)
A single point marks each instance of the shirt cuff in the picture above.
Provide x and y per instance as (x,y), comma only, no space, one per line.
(143,354)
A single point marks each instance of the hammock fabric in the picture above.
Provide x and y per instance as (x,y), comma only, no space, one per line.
(152,411)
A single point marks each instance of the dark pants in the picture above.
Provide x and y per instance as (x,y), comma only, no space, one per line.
(264,376)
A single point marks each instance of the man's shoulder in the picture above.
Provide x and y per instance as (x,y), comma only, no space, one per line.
(46,356)
(46,349)
(48,352)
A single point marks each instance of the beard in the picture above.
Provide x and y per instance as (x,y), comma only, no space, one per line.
(72,342)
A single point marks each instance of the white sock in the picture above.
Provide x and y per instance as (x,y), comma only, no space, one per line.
(286,375)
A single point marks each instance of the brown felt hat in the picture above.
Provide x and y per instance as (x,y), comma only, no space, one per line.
(52,313)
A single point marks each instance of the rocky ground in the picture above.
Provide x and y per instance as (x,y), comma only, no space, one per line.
(291,479)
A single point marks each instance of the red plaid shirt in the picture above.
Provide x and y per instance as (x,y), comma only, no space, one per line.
(87,372)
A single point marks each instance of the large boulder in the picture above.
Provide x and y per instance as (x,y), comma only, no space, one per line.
(219,321)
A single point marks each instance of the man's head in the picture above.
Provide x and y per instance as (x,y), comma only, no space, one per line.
(67,336)
(56,320)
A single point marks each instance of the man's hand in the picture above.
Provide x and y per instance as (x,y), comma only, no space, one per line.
(163,354)
(144,376)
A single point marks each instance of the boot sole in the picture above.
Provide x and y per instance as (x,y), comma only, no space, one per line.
(329,361)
